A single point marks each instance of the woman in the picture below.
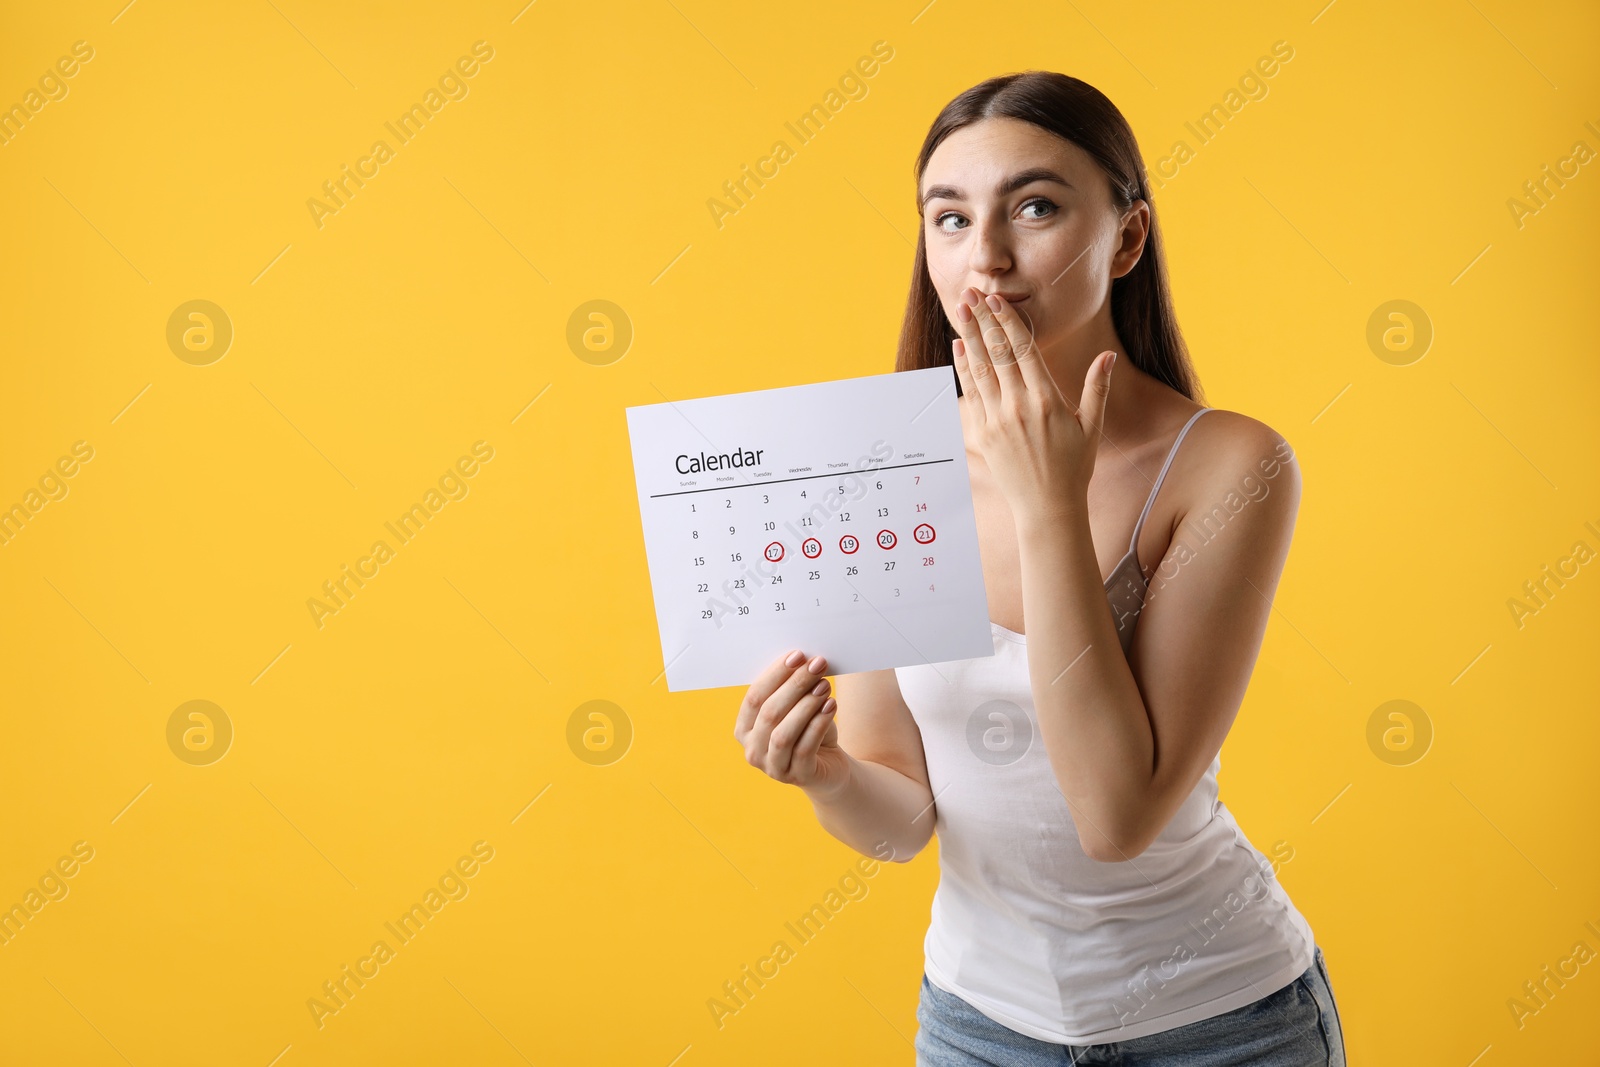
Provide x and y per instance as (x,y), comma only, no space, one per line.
(1097,902)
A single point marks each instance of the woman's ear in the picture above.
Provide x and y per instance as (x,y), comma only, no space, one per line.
(1135,227)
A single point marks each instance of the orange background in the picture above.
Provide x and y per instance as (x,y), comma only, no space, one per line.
(434,709)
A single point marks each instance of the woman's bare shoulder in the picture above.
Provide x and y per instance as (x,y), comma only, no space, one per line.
(1229,452)
(1231,437)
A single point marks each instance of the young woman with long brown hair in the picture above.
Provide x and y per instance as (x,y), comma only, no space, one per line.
(1097,901)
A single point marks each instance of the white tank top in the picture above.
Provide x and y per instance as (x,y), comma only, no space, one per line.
(1039,937)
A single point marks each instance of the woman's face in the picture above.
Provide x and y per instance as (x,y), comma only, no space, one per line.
(1010,208)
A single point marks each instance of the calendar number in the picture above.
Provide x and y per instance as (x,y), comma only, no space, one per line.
(770,524)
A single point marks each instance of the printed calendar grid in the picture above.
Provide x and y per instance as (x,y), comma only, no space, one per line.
(874,561)
(779,577)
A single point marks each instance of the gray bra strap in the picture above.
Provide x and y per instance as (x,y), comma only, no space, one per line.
(1162,477)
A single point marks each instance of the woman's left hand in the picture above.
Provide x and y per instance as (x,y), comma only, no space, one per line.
(1039,445)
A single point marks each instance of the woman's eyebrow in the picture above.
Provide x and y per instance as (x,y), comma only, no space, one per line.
(1010,185)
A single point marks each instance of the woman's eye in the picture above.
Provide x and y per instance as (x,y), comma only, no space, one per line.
(1037,202)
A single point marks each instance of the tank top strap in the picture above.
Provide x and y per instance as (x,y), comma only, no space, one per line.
(1173,451)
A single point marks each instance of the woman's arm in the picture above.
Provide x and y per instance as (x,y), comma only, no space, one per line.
(884,807)
(1129,737)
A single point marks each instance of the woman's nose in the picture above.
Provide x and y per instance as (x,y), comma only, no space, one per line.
(990,250)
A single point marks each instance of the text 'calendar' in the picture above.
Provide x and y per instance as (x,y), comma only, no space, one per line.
(834,517)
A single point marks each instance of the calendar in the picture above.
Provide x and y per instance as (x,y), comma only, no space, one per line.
(834,517)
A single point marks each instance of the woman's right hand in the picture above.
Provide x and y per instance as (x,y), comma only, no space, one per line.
(786,726)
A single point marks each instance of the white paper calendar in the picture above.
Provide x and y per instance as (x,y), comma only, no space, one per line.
(834,517)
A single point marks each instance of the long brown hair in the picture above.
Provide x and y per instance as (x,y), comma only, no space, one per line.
(1141,302)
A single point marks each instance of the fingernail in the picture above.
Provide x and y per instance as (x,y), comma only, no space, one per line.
(971,297)
(827,709)
(820,688)
(963,312)
(817,665)
(794,659)
(994,302)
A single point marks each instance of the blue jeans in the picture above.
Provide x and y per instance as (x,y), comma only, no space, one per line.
(1298,1026)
